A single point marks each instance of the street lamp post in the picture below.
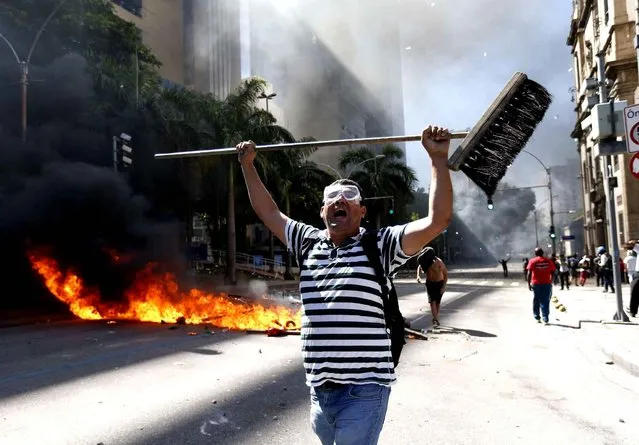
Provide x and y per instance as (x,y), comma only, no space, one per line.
(24,67)
(267,97)
(536,230)
(552,208)
(375,158)
(339,175)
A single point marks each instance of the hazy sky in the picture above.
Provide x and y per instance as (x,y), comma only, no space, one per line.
(458,55)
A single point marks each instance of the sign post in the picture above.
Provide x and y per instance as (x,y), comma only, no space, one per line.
(633,165)
(631,121)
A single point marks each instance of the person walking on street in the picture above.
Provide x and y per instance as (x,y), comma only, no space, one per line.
(436,279)
(540,276)
(504,265)
(630,263)
(584,270)
(605,265)
(564,272)
(525,263)
(555,276)
(634,284)
(346,346)
(573,263)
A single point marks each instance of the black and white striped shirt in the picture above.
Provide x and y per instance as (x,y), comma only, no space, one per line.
(344,337)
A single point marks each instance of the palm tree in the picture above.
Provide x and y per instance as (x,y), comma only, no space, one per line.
(385,176)
(184,119)
(240,119)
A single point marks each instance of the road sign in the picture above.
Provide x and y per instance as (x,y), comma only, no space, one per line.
(568,237)
(631,121)
(633,165)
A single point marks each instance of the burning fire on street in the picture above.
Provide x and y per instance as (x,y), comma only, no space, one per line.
(156,297)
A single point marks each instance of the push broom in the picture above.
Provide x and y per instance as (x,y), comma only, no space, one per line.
(486,151)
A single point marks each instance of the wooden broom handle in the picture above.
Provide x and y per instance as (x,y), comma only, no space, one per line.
(318,144)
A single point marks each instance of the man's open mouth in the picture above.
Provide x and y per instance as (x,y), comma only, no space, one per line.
(339,213)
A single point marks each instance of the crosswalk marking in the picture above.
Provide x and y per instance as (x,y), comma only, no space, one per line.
(473,282)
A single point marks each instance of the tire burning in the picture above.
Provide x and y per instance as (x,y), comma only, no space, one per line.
(157,297)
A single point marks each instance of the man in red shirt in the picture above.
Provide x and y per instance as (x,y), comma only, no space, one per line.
(540,275)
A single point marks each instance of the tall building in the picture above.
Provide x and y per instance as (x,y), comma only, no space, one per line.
(197,41)
(162,26)
(336,74)
(212,45)
(606,26)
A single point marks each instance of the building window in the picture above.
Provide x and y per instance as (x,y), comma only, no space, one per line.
(133,6)
(606,11)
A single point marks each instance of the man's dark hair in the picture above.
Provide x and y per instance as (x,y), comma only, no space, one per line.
(349,182)
(539,251)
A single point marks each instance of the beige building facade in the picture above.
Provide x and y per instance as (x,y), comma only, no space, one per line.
(604,27)
(162,26)
(197,41)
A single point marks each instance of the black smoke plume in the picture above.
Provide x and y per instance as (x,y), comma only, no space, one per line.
(59,191)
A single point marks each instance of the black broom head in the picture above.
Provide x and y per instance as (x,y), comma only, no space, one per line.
(502,133)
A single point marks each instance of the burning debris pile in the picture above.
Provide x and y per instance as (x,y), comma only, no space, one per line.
(64,213)
(156,297)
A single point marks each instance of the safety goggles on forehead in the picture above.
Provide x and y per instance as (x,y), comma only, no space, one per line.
(349,192)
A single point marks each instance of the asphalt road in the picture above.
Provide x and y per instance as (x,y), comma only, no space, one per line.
(493,376)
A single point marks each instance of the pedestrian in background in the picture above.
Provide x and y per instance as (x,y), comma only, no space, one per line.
(540,276)
(525,263)
(564,272)
(584,270)
(634,284)
(436,279)
(605,266)
(504,265)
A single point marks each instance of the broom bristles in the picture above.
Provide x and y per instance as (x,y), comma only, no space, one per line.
(503,132)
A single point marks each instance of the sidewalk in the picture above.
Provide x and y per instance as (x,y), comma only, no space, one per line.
(590,309)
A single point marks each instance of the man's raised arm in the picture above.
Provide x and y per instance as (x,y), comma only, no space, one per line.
(418,233)
(261,200)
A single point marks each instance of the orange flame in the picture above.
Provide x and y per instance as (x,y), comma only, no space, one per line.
(156,298)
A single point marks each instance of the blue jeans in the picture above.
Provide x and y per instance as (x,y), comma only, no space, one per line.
(541,299)
(349,414)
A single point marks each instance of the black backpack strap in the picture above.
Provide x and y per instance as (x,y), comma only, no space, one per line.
(371,249)
(394,319)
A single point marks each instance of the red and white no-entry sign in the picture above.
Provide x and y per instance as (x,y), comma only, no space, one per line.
(634,165)
(631,122)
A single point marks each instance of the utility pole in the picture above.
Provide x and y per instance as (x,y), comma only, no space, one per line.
(536,230)
(610,179)
(552,214)
(24,68)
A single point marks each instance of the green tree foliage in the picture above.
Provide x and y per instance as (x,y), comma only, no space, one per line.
(388,176)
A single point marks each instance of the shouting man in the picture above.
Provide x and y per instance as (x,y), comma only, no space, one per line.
(345,344)
(436,279)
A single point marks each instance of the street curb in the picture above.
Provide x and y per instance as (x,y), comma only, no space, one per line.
(626,365)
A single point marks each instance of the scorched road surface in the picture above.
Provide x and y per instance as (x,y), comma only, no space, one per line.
(496,378)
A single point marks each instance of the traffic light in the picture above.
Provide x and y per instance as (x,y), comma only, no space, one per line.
(122,152)
(391,211)
(552,233)
(490,204)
